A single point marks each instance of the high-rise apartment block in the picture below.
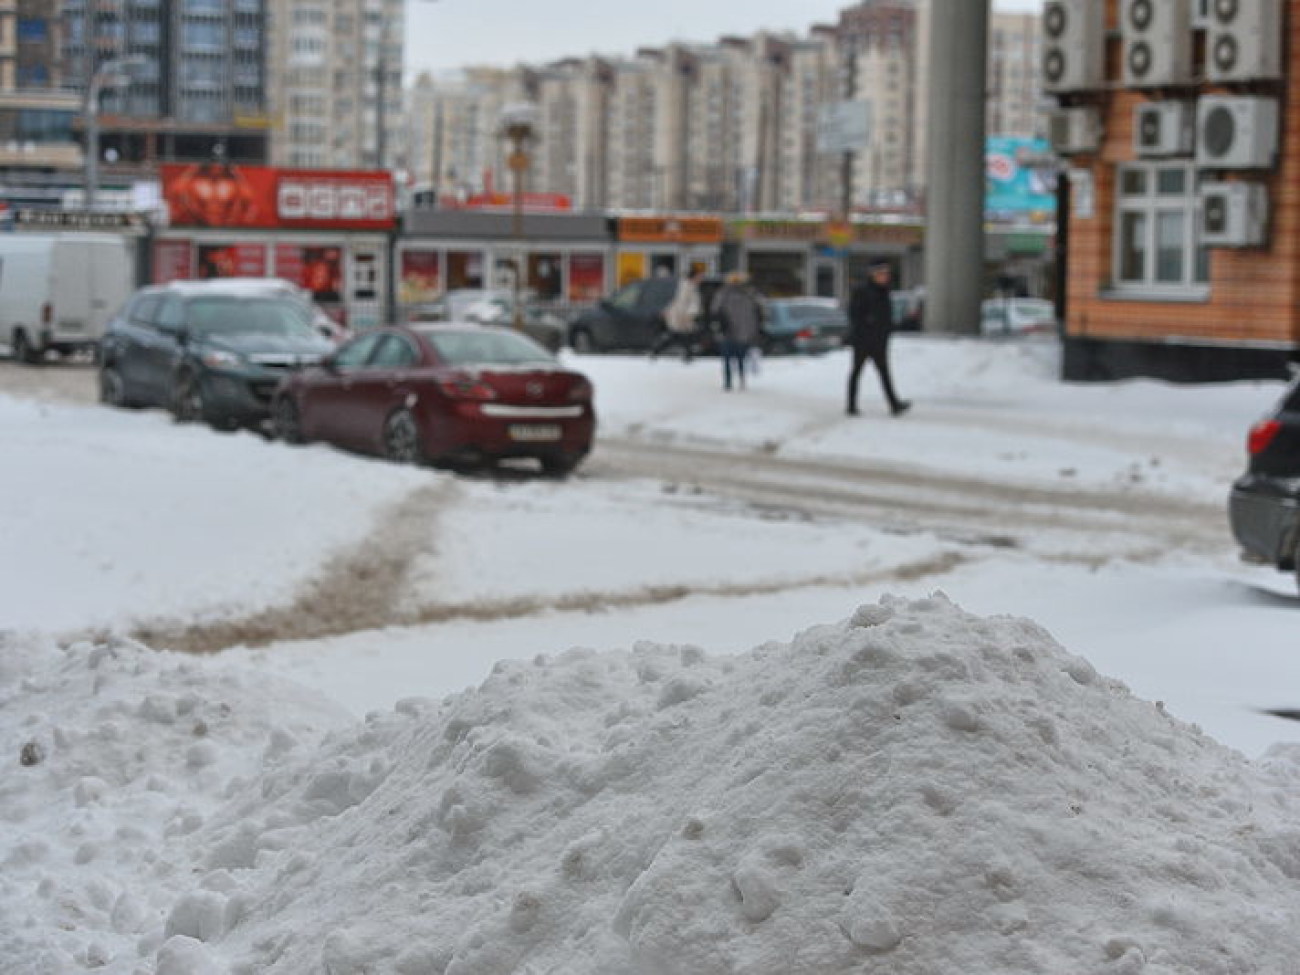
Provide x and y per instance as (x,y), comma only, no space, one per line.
(336,89)
(304,83)
(729,126)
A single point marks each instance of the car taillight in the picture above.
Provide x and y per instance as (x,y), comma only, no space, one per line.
(805,333)
(1261,435)
(466,387)
(580,391)
(47,313)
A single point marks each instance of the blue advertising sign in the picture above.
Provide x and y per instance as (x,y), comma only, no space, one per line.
(1019,180)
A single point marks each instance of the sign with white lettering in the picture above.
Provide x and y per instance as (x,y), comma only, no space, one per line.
(220,195)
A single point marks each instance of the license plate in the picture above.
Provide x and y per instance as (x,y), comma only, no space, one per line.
(534,431)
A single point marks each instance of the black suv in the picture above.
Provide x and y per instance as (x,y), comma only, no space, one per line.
(1264,505)
(632,318)
(208,350)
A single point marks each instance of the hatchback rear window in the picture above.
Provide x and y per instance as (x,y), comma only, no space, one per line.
(492,346)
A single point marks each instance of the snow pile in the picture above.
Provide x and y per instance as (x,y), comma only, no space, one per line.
(913,790)
(115,753)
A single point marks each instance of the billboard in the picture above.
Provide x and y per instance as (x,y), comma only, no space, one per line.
(1019,180)
(213,194)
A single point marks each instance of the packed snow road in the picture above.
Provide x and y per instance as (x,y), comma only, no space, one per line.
(905,497)
(363,587)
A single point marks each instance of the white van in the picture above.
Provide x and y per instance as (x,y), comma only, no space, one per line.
(58,290)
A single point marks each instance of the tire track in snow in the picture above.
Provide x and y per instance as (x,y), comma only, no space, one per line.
(287,624)
(358,589)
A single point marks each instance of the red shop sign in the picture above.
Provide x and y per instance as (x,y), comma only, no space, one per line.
(220,195)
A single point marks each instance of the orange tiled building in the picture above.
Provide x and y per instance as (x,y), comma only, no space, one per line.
(1179,121)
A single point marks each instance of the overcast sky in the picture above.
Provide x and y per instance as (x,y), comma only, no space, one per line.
(446,34)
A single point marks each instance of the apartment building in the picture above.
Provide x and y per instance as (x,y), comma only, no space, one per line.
(198,84)
(879,45)
(336,99)
(1015,94)
(733,125)
(37,119)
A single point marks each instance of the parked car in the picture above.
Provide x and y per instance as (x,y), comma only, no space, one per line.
(909,308)
(443,393)
(1264,503)
(807,325)
(58,291)
(1017,316)
(543,327)
(452,305)
(632,318)
(213,350)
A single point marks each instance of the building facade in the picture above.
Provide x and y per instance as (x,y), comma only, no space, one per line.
(730,126)
(1182,229)
(336,98)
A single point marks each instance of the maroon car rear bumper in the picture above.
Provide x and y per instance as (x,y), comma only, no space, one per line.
(467,434)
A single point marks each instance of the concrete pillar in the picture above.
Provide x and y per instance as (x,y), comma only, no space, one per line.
(954,231)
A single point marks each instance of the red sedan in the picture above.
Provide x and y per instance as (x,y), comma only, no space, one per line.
(441,393)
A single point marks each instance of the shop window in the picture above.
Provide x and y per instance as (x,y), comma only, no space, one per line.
(464,269)
(586,277)
(1156,245)
(544,276)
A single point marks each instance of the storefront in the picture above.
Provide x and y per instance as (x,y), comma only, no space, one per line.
(666,245)
(786,258)
(326,231)
(565,258)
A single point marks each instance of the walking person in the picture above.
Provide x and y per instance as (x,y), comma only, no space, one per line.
(740,319)
(871,320)
(682,317)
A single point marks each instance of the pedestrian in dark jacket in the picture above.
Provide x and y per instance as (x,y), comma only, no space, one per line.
(871,320)
(740,319)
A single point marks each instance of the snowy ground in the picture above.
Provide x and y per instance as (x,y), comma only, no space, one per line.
(176,814)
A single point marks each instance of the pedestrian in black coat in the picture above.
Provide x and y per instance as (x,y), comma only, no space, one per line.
(871,320)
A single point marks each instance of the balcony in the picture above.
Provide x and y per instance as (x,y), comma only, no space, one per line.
(61,155)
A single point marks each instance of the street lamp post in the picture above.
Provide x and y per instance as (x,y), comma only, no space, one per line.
(110,73)
(518,123)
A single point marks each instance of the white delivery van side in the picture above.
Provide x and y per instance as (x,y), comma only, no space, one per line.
(57,291)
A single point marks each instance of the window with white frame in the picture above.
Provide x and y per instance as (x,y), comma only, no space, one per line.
(1156,239)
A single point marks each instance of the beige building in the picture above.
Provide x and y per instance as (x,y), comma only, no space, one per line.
(336,100)
(730,126)
(1015,95)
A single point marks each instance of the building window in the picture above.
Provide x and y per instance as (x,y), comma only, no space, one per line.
(32,30)
(1156,245)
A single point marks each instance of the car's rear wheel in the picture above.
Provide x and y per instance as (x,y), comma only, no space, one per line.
(402,438)
(286,422)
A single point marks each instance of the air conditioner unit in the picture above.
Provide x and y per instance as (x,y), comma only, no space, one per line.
(1073,45)
(1233,214)
(1244,40)
(1164,129)
(1075,129)
(1157,42)
(1236,132)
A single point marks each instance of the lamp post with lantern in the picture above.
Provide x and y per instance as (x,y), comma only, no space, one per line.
(518,127)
